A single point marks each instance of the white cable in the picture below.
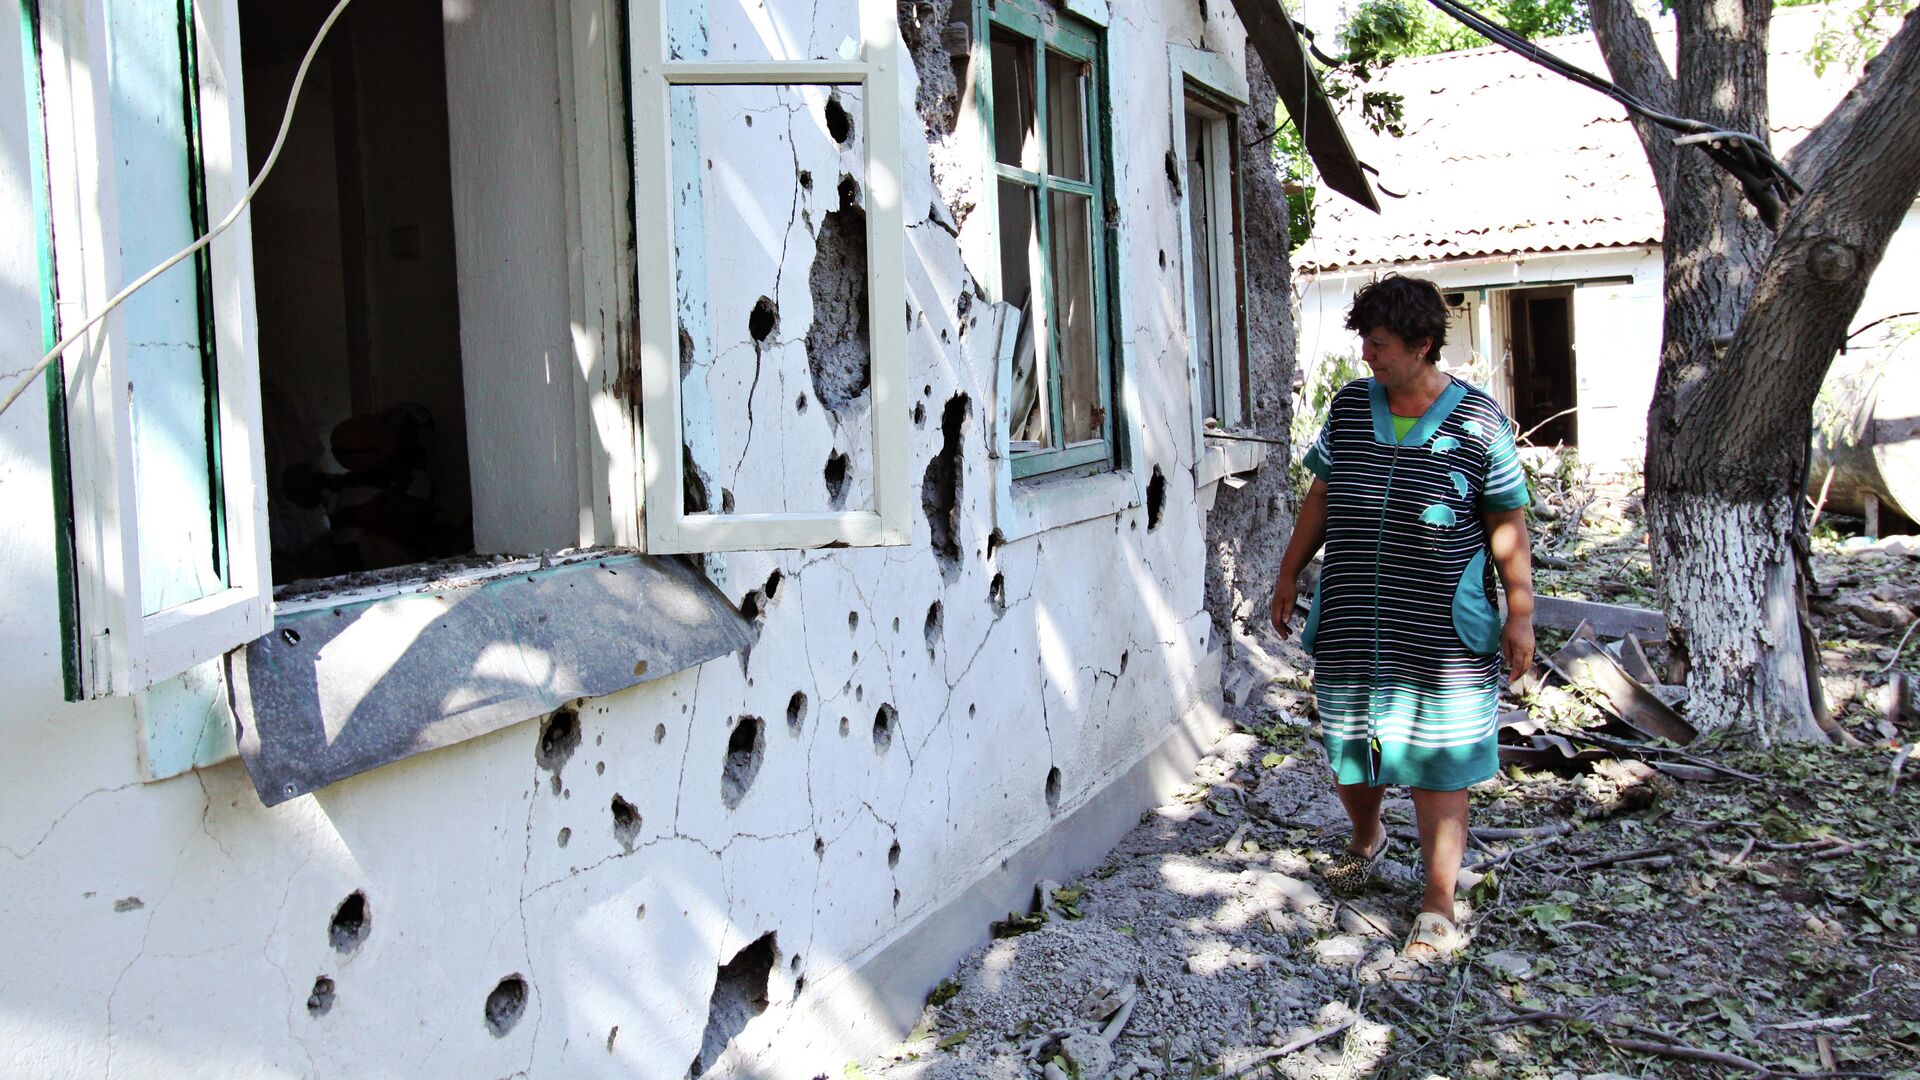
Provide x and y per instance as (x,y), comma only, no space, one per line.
(279,140)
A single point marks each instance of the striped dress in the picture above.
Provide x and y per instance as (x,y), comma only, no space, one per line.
(1405,628)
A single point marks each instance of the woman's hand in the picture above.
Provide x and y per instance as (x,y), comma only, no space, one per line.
(1516,644)
(1309,532)
(1286,593)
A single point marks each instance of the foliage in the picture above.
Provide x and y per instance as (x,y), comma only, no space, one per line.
(1381,31)
(1851,38)
(1310,408)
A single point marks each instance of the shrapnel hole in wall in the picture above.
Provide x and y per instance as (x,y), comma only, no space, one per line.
(884,721)
(1053,790)
(797,713)
(352,922)
(559,738)
(746,747)
(1156,498)
(320,999)
(839,121)
(505,1005)
(838,351)
(936,619)
(943,486)
(893,856)
(740,993)
(835,475)
(764,319)
(626,822)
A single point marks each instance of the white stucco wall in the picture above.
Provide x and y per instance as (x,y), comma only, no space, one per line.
(177,928)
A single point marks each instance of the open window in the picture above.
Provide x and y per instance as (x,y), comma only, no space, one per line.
(767,170)
(363,411)
(1038,101)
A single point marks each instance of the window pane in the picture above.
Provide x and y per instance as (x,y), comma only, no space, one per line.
(1013,101)
(1076,328)
(167,354)
(1028,414)
(1066,117)
(770,239)
(1200,266)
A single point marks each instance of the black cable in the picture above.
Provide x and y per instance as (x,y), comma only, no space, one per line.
(1746,157)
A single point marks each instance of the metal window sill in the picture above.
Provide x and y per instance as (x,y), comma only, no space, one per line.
(346,684)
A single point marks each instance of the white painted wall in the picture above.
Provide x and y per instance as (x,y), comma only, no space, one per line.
(176,928)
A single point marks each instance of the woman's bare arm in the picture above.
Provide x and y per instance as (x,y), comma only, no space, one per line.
(1309,533)
(1513,558)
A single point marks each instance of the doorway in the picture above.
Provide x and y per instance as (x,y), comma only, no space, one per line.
(1540,359)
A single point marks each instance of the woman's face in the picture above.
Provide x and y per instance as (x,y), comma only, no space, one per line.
(1391,359)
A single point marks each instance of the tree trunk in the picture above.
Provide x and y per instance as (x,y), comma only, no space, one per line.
(1752,324)
(1730,585)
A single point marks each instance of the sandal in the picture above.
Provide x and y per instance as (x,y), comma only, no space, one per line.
(1350,871)
(1435,936)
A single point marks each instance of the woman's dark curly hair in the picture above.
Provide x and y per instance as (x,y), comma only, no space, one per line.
(1410,307)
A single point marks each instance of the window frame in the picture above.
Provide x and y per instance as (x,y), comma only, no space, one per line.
(122,650)
(669,528)
(1085,42)
(1199,74)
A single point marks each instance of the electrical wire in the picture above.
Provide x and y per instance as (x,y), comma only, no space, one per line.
(266,167)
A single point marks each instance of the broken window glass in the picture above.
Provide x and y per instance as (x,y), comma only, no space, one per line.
(1081,394)
(1040,97)
(1013,101)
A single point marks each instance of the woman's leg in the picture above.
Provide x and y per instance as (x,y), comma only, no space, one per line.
(1442,817)
(1363,810)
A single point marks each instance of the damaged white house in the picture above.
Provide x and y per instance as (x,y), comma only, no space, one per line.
(660,521)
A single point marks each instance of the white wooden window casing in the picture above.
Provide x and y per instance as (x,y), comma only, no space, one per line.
(1198,73)
(132,636)
(875,70)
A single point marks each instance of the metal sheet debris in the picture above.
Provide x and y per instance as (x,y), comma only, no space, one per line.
(335,691)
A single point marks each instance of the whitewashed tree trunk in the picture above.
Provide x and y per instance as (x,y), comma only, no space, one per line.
(1730,586)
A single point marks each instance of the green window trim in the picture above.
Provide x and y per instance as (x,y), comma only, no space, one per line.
(59,450)
(203,276)
(1022,22)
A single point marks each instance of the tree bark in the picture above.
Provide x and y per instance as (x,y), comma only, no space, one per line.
(1752,324)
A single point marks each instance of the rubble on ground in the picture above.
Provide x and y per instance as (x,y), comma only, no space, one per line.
(1641,911)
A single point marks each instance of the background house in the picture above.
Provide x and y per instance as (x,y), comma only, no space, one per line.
(1529,201)
(566,586)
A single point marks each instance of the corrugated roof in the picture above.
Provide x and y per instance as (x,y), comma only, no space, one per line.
(1502,156)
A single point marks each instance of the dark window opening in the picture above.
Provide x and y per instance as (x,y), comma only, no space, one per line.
(360,369)
(1540,343)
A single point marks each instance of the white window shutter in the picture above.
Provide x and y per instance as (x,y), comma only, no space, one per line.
(165,459)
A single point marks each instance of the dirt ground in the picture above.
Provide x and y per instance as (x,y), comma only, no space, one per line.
(1624,923)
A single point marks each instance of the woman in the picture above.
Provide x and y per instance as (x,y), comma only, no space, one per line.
(1418,498)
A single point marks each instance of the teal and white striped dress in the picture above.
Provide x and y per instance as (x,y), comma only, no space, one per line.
(1405,627)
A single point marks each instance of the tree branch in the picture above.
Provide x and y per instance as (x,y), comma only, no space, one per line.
(1626,42)
(1833,238)
(1818,150)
